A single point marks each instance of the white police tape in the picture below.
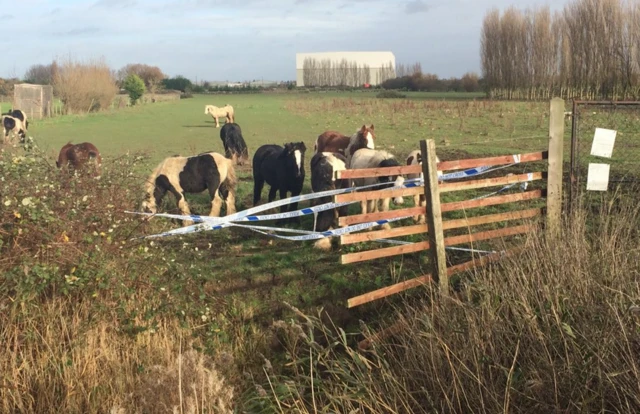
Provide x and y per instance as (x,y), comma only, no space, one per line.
(205,223)
(249,214)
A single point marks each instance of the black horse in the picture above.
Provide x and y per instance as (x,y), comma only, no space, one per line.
(234,146)
(282,168)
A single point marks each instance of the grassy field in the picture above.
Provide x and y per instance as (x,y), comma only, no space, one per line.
(225,295)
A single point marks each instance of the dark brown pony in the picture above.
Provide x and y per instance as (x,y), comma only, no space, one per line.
(331,141)
(76,156)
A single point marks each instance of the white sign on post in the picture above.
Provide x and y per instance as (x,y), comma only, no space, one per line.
(603,141)
(598,177)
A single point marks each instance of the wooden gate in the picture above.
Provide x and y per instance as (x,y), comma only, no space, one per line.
(436,241)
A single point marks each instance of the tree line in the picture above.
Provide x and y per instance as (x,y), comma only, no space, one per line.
(589,50)
(327,72)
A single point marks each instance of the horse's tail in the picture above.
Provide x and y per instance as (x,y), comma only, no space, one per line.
(231,180)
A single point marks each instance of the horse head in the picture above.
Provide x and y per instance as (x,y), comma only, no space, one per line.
(367,137)
(296,151)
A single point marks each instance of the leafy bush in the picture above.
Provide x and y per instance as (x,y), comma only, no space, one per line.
(134,86)
(391,95)
(93,321)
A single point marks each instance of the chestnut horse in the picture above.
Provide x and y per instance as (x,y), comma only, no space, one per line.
(333,141)
(77,155)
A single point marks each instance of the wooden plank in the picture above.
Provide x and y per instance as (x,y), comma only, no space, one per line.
(491,218)
(377,194)
(446,225)
(490,182)
(422,280)
(492,201)
(489,234)
(493,161)
(435,233)
(448,241)
(365,218)
(379,172)
(383,234)
(384,252)
(554,181)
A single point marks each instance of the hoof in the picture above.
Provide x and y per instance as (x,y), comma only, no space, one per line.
(323,244)
(385,226)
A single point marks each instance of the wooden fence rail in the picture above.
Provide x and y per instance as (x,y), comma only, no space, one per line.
(436,242)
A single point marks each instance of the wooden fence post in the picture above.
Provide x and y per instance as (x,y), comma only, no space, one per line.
(554,181)
(434,214)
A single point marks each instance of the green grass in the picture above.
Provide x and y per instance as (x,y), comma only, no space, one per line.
(242,277)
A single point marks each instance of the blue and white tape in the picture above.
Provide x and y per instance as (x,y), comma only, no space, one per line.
(205,223)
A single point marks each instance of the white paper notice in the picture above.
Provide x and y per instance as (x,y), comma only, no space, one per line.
(603,141)
(598,177)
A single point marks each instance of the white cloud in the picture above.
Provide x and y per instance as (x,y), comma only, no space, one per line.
(249,39)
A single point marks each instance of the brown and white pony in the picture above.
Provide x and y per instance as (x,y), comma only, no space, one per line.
(363,138)
(368,158)
(74,157)
(415,158)
(179,175)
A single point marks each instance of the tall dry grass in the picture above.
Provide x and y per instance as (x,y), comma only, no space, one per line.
(555,329)
(82,327)
(84,86)
(58,357)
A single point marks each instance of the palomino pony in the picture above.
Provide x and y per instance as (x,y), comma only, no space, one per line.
(415,158)
(282,168)
(224,112)
(335,142)
(368,158)
(324,166)
(179,175)
(75,157)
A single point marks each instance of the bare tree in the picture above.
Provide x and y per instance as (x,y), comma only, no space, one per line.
(39,74)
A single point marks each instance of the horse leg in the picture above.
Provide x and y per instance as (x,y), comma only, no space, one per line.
(216,204)
(283,208)
(385,207)
(184,208)
(294,206)
(231,202)
(258,184)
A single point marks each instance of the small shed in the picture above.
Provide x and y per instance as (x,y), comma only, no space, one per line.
(35,100)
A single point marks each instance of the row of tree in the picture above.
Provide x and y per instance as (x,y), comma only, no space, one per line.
(152,76)
(418,81)
(327,72)
(589,50)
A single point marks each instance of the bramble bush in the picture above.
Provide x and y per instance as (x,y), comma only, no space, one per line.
(87,315)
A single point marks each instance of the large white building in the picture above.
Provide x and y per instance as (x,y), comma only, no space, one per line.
(344,68)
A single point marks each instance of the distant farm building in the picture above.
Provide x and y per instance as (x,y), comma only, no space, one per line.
(344,68)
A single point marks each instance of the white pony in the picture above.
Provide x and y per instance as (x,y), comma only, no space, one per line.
(368,158)
(415,158)
(226,112)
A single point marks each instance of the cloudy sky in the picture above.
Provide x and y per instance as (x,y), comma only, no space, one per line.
(244,39)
